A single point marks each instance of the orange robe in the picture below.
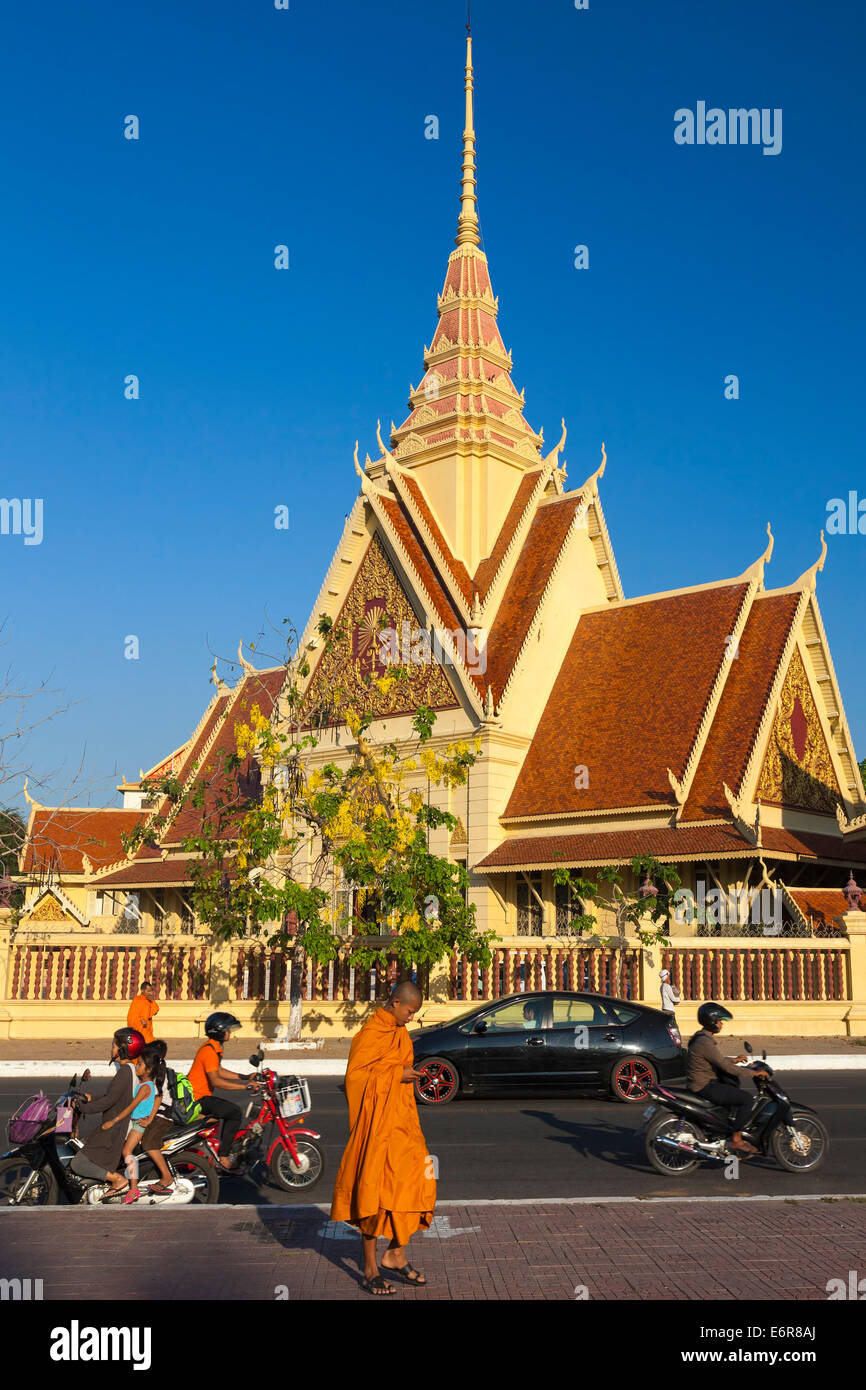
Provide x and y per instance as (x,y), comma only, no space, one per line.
(385,1183)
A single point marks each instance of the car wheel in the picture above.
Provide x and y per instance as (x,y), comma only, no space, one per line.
(630,1078)
(438,1083)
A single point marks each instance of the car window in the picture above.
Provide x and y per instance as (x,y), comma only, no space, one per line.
(622,1013)
(569,1012)
(518,1013)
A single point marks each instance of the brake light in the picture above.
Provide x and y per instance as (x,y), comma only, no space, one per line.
(675,1035)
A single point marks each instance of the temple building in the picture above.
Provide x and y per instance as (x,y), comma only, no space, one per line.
(703,726)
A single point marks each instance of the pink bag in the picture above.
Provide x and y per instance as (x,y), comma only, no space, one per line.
(29,1119)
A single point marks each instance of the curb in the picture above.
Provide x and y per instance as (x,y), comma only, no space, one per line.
(68,1066)
(336,1066)
(324,1209)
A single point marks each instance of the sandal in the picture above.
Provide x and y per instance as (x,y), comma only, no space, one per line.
(376,1285)
(159,1189)
(114,1192)
(407,1273)
(132,1196)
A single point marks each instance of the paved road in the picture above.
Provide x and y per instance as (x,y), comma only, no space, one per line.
(524,1147)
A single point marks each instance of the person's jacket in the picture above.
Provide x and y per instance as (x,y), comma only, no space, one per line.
(706,1062)
(104,1146)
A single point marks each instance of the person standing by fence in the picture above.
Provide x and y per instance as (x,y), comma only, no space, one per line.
(143,1010)
(670,994)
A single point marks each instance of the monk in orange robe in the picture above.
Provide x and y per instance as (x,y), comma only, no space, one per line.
(385,1183)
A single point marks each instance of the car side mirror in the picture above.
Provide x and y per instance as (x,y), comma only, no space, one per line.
(481,1026)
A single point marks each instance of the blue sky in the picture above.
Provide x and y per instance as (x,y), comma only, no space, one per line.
(306,127)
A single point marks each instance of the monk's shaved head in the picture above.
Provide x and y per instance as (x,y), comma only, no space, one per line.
(406,993)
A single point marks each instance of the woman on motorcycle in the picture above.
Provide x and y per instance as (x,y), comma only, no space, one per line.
(101,1152)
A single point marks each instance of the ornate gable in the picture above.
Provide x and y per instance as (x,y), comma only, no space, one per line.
(378,626)
(798,769)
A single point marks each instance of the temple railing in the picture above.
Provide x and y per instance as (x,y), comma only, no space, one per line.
(76,970)
(186,969)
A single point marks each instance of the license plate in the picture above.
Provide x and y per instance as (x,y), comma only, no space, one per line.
(650,1111)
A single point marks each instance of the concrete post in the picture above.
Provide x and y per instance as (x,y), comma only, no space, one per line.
(855,1018)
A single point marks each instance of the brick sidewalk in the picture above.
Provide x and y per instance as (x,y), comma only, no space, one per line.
(730,1250)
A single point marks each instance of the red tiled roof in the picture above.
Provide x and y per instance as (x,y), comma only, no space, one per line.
(415,548)
(617,846)
(152,874)
(741,708)
(262,689)
(64,836)
(528,581)
(457,567)
(810,845)
(486,571)
(627,703)
(824,906)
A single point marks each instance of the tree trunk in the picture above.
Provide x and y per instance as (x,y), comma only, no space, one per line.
(296,988)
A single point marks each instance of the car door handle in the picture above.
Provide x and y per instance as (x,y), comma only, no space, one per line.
(535,1042)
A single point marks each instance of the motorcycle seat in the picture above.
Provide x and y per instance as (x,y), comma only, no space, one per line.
(692,1097)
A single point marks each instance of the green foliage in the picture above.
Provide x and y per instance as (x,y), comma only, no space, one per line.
(643,917)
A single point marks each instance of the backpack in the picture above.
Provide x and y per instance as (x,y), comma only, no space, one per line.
(185,1109)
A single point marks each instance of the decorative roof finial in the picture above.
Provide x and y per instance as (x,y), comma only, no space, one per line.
(467,222)
(809,579)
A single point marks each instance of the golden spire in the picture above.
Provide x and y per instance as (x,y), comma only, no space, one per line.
(467,222)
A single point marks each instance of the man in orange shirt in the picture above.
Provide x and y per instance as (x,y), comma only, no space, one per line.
(142,1011)
(207,1073)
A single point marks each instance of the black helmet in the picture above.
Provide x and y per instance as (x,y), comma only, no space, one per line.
(129,1042)
(710,1015)
(217,1025)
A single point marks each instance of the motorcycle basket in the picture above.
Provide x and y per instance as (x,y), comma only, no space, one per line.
(30,1119)
(293,1096)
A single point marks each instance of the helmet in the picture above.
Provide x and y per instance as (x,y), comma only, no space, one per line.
(129,1042)
(217,1025)
(710,1015)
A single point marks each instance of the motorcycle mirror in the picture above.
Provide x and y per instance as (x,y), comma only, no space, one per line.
(764,1054)
(85,1076)
(747,1046)
(256,1059)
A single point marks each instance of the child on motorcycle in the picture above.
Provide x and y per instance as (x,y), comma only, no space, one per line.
(153,1137)
(142,1109)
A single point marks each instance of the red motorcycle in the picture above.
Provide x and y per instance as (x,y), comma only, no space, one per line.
(295,1160)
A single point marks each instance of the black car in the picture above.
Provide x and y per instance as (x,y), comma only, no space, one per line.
(549,1039)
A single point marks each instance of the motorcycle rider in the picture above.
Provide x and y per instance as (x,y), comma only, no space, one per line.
(99,1156)
(208,1074)
(706,1066)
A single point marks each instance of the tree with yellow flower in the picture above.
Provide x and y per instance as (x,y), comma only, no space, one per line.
(289,808)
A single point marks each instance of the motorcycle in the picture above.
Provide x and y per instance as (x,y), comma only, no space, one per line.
(295,1159)
(36,1170)
(682,1129)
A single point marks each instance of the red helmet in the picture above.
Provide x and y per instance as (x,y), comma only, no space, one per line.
(129,1042)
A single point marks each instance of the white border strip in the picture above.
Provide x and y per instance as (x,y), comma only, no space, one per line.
(483,1202)
(301,1065)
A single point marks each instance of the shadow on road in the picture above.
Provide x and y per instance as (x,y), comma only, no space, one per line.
(612,1143)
